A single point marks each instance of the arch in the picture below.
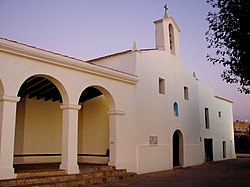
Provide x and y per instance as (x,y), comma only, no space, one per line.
(94,131)
(38,120)
(108,96)
(45,73)
(102,88)
(176,109)
(171,38)
(40,87)
(177,145)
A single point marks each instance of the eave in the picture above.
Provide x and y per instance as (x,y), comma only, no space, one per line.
(49,57)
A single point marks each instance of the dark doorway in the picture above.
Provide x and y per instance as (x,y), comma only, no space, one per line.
(208,146)
(177,148)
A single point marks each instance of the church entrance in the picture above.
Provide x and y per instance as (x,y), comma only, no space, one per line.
(208,146)
(93,127)
(177,148)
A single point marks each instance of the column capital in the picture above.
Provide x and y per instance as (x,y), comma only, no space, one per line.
(9,98)
(116,112)
(70,106)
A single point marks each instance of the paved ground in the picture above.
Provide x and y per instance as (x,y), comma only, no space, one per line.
(228,173)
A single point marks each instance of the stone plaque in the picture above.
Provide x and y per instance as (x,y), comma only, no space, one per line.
(153,140)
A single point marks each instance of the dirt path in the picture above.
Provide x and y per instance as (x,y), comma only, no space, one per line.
(235,172)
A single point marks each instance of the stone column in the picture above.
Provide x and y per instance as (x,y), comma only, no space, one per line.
(70,138)
(7,135)
(115,145)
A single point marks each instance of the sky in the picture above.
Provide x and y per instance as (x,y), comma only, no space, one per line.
(87,29)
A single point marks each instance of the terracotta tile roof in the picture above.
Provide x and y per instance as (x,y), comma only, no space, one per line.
(86,61)
(116,54)
(110,55)
(40,49)
(89,61)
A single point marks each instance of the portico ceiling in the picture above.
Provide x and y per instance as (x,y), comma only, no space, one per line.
(41,88)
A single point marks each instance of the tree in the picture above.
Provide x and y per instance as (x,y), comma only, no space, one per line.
(228,36)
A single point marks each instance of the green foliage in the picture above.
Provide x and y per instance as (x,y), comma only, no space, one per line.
(229,36)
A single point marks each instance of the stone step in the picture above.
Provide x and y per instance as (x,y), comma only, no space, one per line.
(54,178)
(97,168)
(87,181)
(40,174)
(35,180)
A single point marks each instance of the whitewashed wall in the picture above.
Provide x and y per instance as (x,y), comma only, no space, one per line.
(133,109)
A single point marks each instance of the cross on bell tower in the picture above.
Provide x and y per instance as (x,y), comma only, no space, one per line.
(167,34)
(166,10)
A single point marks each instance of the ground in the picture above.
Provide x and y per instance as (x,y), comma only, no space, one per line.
(233,172)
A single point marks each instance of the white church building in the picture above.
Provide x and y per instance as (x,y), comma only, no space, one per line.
(141,110)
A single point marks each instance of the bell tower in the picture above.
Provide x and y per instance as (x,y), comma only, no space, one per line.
(167,34)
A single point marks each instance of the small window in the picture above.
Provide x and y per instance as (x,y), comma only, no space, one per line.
(219,113)
(171,39)
(176,109)
(224,149)
(207,119)
(186,96)
(161,86)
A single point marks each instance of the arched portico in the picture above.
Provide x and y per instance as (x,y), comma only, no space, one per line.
(177,144)
(68,111)
(108,117)
(35,92)
(38,134)
(93,127)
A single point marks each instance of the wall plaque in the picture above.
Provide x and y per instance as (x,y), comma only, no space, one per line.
(153,140)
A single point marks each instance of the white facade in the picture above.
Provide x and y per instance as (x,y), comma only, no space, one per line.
(141,110)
